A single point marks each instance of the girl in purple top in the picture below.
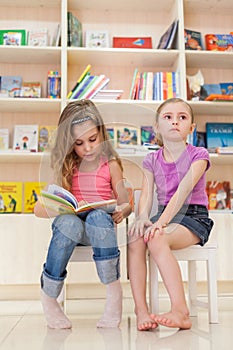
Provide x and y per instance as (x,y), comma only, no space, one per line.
(177,172)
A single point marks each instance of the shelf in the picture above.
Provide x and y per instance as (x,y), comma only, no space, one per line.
(119,57)
(221,159)
(20,157)
(30,3)
(212,108)
(209,59)
(29,54)
(30,105)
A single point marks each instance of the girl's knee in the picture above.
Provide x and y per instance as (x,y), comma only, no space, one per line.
(70,226)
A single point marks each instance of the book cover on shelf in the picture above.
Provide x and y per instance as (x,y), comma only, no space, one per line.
(46,137)
(219,42)
(97,39)
(127,135)
(11,84)
(31,193)
(132,42)
(192,40)
(30,89)
(226,88)
(74,27)
(25,138)
(81,77)
(209,89)
(38,37)
(4,139)
(167,40)
(13,37)
(218,194)
(148,135)
(11,197)
(219,135)
(62,201)
(56,38)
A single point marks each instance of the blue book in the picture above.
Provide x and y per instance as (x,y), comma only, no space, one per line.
(219,135)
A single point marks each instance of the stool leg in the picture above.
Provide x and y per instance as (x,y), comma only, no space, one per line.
(192,287)
(153,286)
(212,287)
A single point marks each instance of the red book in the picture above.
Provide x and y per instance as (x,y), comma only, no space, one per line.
(132,42)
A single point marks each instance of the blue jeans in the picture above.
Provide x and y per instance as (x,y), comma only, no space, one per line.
(96,228)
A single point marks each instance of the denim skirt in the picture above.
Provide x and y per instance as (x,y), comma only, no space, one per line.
(194,217)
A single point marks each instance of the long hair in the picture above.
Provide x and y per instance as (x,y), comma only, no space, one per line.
(159,139)
(64,159)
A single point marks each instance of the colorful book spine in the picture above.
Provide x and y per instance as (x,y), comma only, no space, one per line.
(83,74)
(99,84)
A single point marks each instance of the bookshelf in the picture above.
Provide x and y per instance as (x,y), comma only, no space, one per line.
(121,18)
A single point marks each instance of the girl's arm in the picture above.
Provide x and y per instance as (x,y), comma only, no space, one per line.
(145,205)
(185,187)
(124,208)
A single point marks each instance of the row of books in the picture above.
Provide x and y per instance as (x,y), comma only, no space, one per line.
(35,37)
(154,86)
(14,86)
(213,42)
(28,138)
(19,197)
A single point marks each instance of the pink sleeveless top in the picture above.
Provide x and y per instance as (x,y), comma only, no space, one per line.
(93,186)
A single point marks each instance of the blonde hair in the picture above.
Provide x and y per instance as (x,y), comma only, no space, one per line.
(64,159)
(159,139)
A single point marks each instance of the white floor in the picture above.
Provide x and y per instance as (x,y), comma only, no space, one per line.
(22,326)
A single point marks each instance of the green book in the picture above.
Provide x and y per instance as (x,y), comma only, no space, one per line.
(13,37)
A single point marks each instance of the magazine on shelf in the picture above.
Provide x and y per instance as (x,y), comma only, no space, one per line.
(168,38)
(62,201)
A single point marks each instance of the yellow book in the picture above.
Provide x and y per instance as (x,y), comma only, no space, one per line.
(11,197)
(46,136)
(31,192)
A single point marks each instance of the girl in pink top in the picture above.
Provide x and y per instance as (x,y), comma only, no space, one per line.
(84,163)
(177,172)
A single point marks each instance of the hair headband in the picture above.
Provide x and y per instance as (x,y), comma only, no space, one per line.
(82,120)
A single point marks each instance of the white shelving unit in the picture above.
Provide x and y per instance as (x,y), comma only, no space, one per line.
(121,18)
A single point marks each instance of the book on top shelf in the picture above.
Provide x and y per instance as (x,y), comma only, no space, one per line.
(132,42)
(4,139)
(38,37)
(62,201)
(11,197)
(25,138)
(31,193)
(97,39)
(167,40)
(13,37)
(219,135)
(74,28)
(192,40)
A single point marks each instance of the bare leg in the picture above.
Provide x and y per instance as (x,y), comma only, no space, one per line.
(137,276)
(53,313)
(113,307)
(160,248)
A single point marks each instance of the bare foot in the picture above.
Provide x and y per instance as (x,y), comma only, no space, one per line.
(174,319)
(145,322)
(54,315)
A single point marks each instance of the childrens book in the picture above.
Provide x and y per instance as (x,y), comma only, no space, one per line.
(4,139)
(226,88)
(219,42)
(13,37)
(97,39)
(132,42)
(31,194)
(25,138)
(193,40)
(127,135)
(62,201)
(167,40)
(10,197)
(31,89)
(74,35)
(11,84)
(38,37)
(219,135)
(218,194)
(148,135)
(46,137)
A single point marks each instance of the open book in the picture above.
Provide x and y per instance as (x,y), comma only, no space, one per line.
(62,201)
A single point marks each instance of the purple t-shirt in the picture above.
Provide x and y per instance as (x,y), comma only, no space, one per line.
(167,176)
